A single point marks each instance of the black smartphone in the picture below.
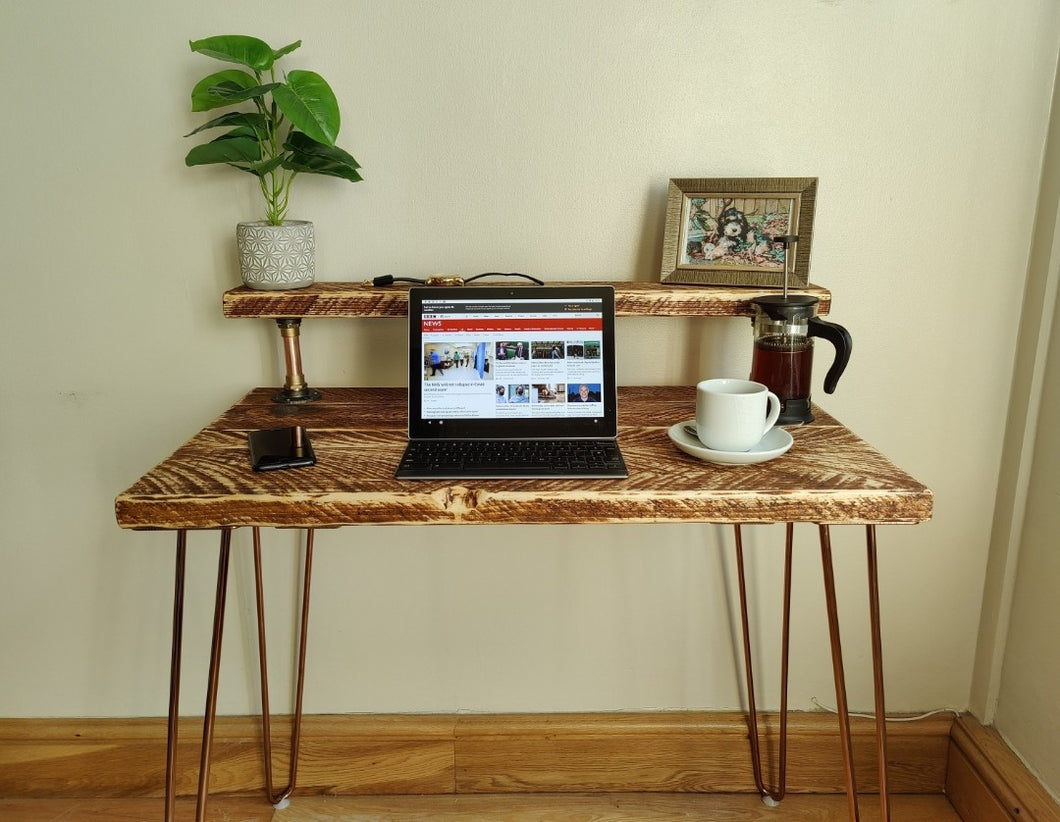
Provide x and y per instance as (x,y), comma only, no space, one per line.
(275,448)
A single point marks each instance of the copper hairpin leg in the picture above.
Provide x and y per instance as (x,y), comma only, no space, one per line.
(279,799)
(174,675)
(215,662)
(877,670)
(774,795)
(214,675)
(771,795)
(837,670)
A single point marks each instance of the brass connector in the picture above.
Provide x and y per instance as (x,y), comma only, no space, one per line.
(390,279)
(445,279)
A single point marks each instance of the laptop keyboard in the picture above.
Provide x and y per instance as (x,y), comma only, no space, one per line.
(439,459)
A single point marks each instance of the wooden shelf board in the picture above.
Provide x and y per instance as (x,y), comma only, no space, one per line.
(349,299)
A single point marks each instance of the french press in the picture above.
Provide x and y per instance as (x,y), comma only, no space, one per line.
(784,328)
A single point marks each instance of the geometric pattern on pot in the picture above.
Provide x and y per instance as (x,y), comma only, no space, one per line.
(276,257)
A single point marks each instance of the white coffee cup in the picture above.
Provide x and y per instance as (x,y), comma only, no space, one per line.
(732,415)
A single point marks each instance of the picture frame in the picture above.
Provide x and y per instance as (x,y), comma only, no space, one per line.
(721,231)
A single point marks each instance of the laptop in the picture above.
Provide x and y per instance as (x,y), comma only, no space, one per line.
(509,382)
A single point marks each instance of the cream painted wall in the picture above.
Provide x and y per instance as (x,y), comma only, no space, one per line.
(1025,667)
(1017,662)
(533,136)
(1027,712)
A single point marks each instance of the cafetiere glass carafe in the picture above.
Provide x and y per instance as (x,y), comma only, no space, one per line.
(784,328)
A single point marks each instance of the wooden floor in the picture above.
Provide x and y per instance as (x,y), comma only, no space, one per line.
(637,807)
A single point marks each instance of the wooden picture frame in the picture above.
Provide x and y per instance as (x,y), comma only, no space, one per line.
(720,231)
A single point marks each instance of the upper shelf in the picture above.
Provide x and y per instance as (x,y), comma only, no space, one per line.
(332,299)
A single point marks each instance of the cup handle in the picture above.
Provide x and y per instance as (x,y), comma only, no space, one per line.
(772,413)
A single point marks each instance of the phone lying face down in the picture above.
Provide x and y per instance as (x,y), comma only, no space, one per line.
(275,448)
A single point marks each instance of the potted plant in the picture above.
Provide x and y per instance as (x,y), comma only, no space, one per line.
(287,125)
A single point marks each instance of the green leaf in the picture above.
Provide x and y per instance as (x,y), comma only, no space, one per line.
(215,90)
(241,131)
(276,55)
(234,94)
(255,122)
(310,105)
(302,144)
(261,169)
(225,150)
(237,48)
(312,157)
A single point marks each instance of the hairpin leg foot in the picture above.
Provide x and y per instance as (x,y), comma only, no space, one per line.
(770,796)
(281,799)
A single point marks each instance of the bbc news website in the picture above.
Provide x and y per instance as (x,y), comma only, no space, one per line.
(512,358)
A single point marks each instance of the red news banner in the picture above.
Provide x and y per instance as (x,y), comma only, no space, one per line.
(471,325)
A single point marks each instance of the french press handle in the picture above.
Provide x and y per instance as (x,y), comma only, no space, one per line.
(838,337)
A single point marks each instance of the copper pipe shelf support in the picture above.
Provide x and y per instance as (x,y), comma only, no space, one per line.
(295,387)
(773,795)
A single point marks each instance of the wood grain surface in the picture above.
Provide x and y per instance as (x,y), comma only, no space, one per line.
(829,476)
(346,299)
(654,807)
(701,752)
(987,782)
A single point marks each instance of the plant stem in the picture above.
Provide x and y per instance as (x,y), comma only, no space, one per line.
(275,189)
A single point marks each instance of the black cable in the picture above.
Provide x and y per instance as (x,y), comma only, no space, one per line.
(444,279)
(534,280)
(390,279)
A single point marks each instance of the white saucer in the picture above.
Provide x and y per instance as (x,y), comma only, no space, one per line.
(773,444)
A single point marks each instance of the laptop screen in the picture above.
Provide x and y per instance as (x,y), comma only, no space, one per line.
(502,362)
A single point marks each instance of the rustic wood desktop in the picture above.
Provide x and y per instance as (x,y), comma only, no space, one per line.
(829,477)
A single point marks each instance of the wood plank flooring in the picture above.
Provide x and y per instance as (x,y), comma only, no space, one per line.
(638,807)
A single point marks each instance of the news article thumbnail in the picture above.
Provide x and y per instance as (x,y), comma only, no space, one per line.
(509,351)
(456,361)
(547,350)
(585,350)
(584,392)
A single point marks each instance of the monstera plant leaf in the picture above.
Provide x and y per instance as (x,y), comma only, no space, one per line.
(235,148)
(255,122)
(308,102)
(216,90)
(246,51)
(317,158)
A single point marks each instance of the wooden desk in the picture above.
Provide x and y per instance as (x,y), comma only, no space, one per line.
(829,477)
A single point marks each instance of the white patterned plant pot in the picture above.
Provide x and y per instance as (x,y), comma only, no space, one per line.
(275,257)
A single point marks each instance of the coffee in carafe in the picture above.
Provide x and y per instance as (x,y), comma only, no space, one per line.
(784,328)
(784,363)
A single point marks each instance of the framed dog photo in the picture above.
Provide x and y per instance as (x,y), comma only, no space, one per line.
(722,232)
